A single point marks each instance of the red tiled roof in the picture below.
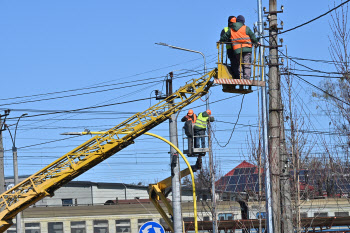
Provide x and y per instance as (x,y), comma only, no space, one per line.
(244,164)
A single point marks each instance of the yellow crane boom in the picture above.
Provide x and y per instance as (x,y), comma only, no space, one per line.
(92,152)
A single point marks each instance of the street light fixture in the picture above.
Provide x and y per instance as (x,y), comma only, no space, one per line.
(188,50)
(15,168)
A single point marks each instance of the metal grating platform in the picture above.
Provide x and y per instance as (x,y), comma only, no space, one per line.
(245,82)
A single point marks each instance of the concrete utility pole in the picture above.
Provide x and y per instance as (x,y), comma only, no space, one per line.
(15,170)
(274,116)
(175,166)
(280,173)
(265,150)
(280,181)
(2,172)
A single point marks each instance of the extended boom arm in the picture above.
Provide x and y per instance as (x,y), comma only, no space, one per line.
(76,162)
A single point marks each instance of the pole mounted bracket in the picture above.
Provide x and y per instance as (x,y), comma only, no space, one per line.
(272,46)
(272,12)
(274,64)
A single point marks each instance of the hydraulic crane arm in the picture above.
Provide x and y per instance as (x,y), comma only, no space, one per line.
(97,149)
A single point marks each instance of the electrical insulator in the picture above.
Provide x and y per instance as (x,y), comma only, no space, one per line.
(281,40)
(171,74)
(264,9)
(282,7)
(282,23)
(157,92)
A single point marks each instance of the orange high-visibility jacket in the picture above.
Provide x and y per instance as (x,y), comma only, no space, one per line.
(240,39)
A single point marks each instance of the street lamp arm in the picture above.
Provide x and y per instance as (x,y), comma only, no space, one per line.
(6,127)
(188,50)
(14,138)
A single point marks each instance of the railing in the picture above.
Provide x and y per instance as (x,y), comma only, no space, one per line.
(189,146)
(257,63)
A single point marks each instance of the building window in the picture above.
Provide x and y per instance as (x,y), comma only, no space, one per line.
(142,221)
(12,229)
(188,219)
(225,198)
(67,202)
(100,226)
(55,227)
(341,214)
(33,227)
(206,218)
(303,215)
(262,214)
(321,214)
(77,227)
(227,216)
(123,226)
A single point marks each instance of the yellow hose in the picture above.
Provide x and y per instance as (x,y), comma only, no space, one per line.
(187,163)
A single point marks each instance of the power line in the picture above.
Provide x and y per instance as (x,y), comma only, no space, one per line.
(92,92)
(92,107)
(85,93)
(98,85)
(320,88)
(313,75)
(313,71)
(318,17)
(78,89)
(234,127)
(38,144)
(317,60)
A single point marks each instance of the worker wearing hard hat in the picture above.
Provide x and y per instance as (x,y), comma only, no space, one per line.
(189,117)
(190,120)
(200,127)
(242,39)
(229,49)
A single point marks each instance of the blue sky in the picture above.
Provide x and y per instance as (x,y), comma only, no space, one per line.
(50,46)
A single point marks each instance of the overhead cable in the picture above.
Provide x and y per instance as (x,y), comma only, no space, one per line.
(318,17)
(320,89)
(234,127)
(92,107)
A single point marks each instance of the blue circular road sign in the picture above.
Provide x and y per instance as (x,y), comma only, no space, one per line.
(151,227)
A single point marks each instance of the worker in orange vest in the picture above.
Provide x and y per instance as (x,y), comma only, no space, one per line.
(190,117)
(190,120)
(242,39)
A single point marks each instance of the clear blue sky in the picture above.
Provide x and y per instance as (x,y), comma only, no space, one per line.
(49,46)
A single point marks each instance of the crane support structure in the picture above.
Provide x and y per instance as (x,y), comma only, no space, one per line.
(97,149)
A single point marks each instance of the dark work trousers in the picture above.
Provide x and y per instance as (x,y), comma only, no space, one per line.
(245,71)
(199,132)
(233,62)
(190,145)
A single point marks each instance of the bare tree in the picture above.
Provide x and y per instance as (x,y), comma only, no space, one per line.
(337,96)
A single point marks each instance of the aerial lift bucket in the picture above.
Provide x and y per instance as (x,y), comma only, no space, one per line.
(233,84)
